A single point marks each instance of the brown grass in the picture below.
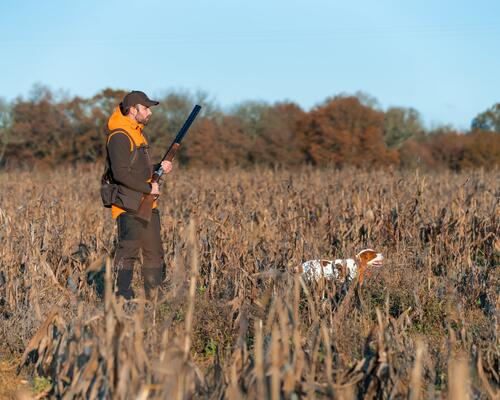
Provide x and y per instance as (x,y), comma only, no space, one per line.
(234,320)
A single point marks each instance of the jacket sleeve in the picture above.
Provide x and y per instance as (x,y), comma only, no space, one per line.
(120,158)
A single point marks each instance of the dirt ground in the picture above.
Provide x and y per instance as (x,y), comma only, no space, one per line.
(12,386)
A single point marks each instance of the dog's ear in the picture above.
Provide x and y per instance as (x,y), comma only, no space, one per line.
(365,256)
(370,255)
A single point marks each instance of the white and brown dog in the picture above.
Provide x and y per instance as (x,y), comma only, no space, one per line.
(343,269)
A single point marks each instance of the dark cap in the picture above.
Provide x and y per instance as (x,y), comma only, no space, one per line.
(136,97)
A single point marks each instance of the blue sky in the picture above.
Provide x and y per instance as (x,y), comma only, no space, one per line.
(440,57)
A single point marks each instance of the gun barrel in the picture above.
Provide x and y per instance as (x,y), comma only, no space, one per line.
(178,138)
(182,132)
(187,124)
(144,211)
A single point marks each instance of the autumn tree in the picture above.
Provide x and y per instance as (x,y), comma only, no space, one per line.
(5,122)
(344,132)
(483,150)
(365,99)
(400,124)
(169,116)
(218,143)
(41,127)
(272,130)
(416,153)
(251,114)
(488,120)
(447,148)
(89,121)
(279,143)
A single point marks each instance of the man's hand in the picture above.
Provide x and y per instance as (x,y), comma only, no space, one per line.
(167,166)
(155,188)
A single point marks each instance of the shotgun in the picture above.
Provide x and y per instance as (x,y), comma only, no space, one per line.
(144,211)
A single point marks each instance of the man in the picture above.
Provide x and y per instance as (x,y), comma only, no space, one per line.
(131,169)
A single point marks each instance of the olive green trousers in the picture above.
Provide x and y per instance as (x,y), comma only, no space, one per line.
(135,235)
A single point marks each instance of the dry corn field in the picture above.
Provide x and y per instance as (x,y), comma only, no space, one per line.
(235,319)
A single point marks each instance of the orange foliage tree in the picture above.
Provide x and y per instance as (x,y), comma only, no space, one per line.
(40,128)
(89,120)
(483,150)
(342,131)
(217,143)
(279,142)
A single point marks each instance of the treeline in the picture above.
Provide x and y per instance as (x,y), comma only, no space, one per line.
(48,129)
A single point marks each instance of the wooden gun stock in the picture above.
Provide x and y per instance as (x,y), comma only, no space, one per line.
(145,209)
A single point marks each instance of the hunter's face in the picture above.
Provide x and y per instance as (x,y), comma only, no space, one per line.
(143,114)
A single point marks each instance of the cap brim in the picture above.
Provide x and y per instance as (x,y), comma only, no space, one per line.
(149,103)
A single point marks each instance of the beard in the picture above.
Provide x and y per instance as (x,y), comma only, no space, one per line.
(143,120)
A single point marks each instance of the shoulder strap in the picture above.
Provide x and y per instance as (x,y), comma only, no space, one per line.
(133,148)
(114,131)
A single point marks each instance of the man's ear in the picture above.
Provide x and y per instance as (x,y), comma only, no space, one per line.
(132,111)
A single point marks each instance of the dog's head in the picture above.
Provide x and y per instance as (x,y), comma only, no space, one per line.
(368,258)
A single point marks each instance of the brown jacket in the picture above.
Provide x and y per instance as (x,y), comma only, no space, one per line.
(130,163)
